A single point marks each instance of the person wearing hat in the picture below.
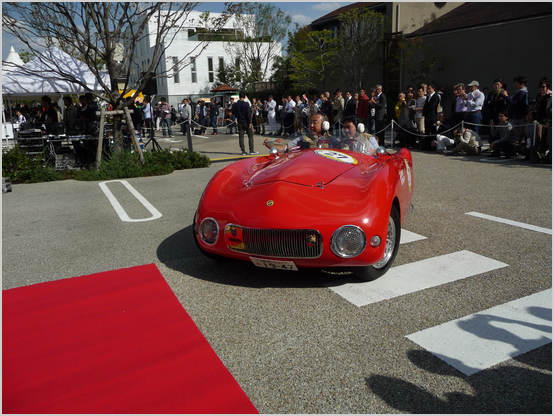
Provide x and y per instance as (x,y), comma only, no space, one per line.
(474,101)
(270,108)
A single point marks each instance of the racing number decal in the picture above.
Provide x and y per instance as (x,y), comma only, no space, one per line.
(336,156)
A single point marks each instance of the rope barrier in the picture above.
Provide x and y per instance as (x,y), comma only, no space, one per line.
(393,123)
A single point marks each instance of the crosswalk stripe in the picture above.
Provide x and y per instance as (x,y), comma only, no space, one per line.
(409,237)
(510,222)
(481,340)
(413,277)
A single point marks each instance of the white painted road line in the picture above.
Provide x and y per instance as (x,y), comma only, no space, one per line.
(510,222)
(413,277)
(119,209)
(486,338)
(409,237)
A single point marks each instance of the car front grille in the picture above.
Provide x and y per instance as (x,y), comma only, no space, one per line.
(299,244)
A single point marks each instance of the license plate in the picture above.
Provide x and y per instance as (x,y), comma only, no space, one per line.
(274,264)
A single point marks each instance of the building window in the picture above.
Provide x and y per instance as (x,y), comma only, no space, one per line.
(193,70)
(237,69)
(221,64)
(210,69)
(175,70)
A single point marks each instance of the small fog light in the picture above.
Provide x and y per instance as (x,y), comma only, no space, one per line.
(375,241)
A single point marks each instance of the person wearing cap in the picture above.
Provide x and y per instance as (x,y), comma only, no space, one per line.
(474,103)
(270,108)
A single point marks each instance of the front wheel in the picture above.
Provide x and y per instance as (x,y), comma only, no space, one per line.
(378,269)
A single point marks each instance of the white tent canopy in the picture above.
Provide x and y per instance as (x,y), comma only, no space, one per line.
(13,58)
(38,77)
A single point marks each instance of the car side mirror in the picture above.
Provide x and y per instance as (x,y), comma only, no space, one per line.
(380,151)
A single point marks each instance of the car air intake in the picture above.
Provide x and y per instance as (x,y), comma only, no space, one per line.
(297,244)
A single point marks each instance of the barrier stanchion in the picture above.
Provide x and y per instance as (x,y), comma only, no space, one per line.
(392,134)
(189,137)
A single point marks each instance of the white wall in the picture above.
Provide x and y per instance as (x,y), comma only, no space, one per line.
(180,48)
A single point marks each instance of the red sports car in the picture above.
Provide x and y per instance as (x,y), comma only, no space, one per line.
(313,208)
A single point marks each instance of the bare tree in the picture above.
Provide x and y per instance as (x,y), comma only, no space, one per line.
(93,32)
(260,27)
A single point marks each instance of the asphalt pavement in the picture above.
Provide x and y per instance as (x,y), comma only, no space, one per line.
(293,342)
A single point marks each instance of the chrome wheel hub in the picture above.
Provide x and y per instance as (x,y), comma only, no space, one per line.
(389,248)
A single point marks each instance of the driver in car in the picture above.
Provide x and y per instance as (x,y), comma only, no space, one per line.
(357,140)
(318,137)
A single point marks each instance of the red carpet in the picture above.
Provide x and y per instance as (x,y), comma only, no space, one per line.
(113,342)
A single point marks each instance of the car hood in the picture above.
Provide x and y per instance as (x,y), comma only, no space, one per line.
(310,168)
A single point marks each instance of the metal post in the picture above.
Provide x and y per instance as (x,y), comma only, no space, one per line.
(189,135)
(100,138)
(392,134)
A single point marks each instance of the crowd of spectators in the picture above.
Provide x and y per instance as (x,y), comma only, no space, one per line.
(424,117)
(514,122)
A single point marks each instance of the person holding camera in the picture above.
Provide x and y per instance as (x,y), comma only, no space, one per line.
(474,103)
(270,108)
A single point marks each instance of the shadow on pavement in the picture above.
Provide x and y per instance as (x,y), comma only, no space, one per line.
(507,389)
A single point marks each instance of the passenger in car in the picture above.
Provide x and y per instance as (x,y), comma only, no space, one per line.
(367,143)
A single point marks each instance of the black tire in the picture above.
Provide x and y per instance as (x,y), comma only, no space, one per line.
(209,255)
(377,270)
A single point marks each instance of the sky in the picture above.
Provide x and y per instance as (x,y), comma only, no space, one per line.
(302,13)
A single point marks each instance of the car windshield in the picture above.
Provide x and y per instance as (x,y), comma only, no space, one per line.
(360,145)
(354,145)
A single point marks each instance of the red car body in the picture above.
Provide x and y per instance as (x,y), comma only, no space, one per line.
(317,190)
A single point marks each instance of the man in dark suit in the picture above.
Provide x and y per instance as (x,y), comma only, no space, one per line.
(430,113)
(349,105)
(380,114)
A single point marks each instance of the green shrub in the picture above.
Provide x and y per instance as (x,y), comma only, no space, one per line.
(21,167)
(183,159)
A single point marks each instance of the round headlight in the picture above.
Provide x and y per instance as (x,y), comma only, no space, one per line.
(209,230)
(348,241)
